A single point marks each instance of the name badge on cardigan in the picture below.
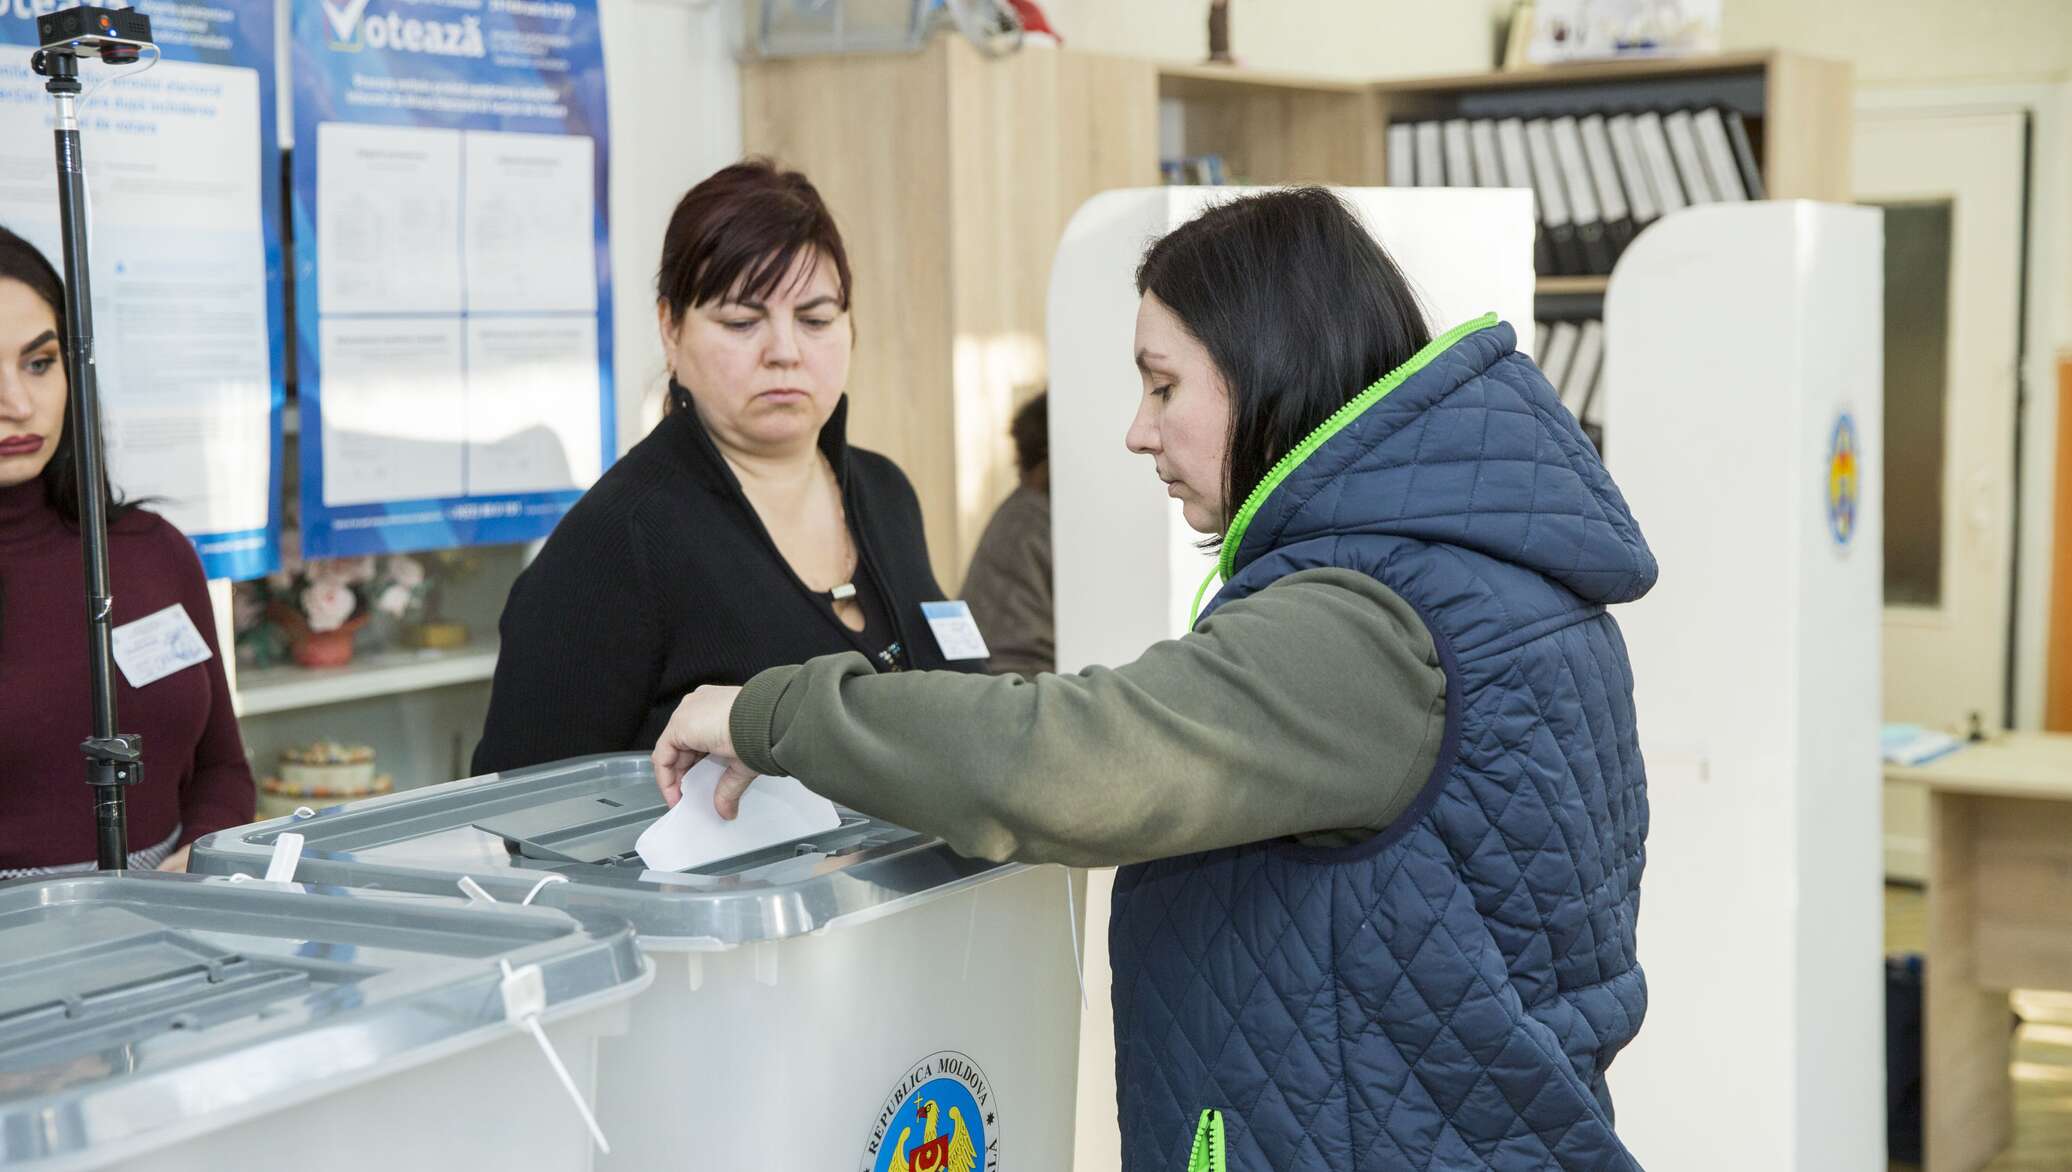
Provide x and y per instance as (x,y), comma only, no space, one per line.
(158,645)
(956,632)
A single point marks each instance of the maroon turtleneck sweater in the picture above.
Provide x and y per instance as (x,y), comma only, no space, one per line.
(196,779)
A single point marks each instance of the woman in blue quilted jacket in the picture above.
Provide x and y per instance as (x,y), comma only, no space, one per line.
(1381,812)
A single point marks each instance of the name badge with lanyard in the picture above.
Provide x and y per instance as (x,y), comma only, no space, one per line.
(956,632)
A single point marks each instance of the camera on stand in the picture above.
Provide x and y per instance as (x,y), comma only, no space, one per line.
(116,35)
(114,761)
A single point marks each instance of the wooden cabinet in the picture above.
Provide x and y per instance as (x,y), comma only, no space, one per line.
(953,176)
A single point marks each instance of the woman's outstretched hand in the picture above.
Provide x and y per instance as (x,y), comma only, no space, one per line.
(701,728)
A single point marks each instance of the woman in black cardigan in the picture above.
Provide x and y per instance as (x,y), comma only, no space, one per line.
(743,533)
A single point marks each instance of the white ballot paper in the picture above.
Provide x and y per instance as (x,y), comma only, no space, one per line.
(774,810)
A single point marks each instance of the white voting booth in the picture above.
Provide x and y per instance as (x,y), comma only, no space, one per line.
(1743,425)
(1125,564)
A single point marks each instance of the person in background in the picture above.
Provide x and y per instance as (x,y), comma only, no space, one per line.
(1381,814)
(196,778)
(1008,585)
(744,532)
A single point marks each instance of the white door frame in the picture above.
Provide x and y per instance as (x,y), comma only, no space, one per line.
(2047,325)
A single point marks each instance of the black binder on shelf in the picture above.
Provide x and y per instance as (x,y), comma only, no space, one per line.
(1489,168)
(1402,155)
(1604,175)
(1718,156)
(1460,160)
(1640,189)
(1581,376)
(1582,195)
(1553,196)
(1561,352)
(1661,164)
(1744,154)
(1511,149)
(1431,157)
(1593,408)
(1690,164)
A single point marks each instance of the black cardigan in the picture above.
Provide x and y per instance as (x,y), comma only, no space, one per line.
(662,578)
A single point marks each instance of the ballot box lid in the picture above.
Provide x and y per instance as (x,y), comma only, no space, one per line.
(132,1003)
(563,835)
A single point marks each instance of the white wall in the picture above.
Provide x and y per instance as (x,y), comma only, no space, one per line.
(1914,42)
(2063,265)
(1958,54)
(2054,183)
(1969,49)
(675,95)
(1905,41)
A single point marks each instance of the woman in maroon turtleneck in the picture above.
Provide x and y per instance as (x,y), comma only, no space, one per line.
(196,779)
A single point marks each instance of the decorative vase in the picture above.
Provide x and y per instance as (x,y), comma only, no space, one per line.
(316,648)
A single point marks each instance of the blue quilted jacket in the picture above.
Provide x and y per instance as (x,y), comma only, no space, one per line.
(1447,994)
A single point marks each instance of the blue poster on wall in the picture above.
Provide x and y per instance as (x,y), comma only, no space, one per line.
(452,297)
(183,178)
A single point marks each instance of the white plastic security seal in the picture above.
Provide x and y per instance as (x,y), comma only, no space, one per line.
(476,893)
(287,854)
(539,887)
(1072,929)
(525,998)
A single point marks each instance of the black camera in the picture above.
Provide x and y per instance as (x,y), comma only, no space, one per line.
(100,30)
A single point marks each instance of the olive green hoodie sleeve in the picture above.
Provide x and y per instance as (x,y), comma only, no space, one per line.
(1314,708)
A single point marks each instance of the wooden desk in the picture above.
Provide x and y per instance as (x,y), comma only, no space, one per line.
(1999,918)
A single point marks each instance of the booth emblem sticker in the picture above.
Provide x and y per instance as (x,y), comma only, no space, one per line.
(940,1118)
(1844,481)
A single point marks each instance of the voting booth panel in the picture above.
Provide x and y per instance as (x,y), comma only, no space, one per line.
(1744,427)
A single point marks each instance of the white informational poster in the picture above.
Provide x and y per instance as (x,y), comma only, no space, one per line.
(183,183)
(450,295)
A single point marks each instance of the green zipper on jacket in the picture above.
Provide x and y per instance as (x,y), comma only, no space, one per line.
(1226,563)
(1208,1144)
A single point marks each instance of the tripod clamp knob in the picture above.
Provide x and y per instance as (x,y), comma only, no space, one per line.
(116,760)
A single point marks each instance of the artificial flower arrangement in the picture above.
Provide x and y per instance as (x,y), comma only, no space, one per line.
(313,610)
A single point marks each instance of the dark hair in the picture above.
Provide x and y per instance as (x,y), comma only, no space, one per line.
(20,261)
(1299,307)
(745,225)
(1031,432)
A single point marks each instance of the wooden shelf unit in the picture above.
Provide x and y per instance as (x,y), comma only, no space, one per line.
(952,176)
(951,215)
(264,691)
(1276,129)
(1565,286)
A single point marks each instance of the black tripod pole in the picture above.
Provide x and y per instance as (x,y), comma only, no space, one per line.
(113,761)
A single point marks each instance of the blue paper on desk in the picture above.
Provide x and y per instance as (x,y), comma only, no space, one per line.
(1910,744)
